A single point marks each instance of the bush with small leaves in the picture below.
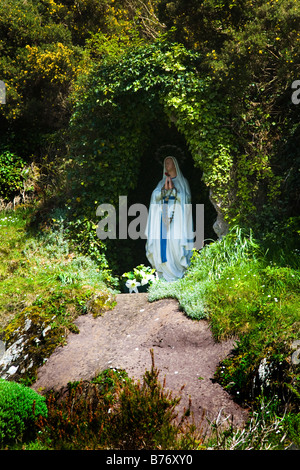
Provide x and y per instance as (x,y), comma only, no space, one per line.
(20,406)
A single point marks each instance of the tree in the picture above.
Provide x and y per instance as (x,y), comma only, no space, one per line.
(250,48)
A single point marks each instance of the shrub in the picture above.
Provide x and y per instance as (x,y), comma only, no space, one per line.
(114,412)
(292,426)
(19,408)
(11,178)
(142,417)
(206,269)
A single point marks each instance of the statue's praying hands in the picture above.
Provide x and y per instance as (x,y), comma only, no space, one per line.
(169,183)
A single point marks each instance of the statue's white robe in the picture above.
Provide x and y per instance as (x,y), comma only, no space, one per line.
(169,244)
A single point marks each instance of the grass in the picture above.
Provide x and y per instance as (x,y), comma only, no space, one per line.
(33,265)
(206,269)
(45,283)
(231,283)
(263,431)
(243,294)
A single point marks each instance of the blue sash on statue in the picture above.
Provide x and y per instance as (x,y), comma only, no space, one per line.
(163,235)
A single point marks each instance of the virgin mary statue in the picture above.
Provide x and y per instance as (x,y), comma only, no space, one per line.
(169,229)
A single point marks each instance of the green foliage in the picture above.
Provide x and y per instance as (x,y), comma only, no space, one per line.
(207,266)
(250,49)
(292,426)
(20,407)
(34,264)
(11,174)
(232,284)
(114,412)
(82,233)
(166,80)
(45,45)
(279,235)
(38,63)
(45,285)
(80,19)
(109,380)
(245,42)
(229,100)
(258,304)
(159,80)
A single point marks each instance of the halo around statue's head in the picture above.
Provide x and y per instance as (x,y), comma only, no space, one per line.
(169,151)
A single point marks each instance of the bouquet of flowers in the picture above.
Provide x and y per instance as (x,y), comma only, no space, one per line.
(140,276)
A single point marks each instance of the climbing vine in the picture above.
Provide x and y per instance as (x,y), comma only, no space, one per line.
(110,128)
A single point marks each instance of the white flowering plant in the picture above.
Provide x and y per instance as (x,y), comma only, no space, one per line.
(141,275)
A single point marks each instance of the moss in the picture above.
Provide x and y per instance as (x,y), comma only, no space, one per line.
(19,408)
(100,303)
(32,336)
(249,373)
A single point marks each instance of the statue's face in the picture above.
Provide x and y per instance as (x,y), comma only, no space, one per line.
(169,164)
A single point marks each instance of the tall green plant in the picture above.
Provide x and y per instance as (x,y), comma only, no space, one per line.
(11,174)
(114,412)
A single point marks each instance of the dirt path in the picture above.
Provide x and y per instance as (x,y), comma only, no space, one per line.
(184,350)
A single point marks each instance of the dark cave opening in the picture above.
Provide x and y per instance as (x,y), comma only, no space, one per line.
(132,252)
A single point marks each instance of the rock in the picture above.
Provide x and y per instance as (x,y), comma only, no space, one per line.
(2,349)
(11,356)
(220,226)
(12,370)
(122,338)
(26,344)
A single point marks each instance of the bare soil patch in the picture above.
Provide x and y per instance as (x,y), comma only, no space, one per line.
(184,352)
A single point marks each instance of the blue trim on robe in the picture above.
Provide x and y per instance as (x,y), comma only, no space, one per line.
(163,237)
